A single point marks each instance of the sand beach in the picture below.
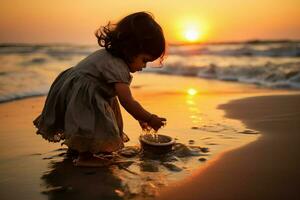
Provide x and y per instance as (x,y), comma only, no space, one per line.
(236,137)
(267,168)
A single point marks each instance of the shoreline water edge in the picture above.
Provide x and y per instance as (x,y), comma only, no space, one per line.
(264,169)
(193,120)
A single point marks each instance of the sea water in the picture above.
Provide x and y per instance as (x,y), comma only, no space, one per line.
(29,69)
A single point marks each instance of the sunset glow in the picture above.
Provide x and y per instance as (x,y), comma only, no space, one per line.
(190,21)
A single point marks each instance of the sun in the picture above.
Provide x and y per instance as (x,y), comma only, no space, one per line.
(192,35)
(192,30)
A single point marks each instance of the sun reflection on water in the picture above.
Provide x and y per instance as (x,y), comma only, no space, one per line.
(192,106)
(192,91)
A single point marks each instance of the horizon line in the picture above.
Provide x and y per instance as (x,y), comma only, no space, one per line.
(250,41)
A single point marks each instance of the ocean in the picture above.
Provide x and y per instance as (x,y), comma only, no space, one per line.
(28,69)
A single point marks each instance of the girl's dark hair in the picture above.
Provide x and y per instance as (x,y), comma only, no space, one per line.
(137,33)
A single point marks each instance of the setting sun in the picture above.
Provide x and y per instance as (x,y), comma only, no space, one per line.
(191,30)
(192,34)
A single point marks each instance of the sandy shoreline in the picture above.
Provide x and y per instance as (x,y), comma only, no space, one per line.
(41,170)
(265,169)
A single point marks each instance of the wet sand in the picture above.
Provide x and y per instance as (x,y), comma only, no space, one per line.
(265,169)
(41,170)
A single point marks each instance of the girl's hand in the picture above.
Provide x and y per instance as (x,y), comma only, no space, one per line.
(156,122)
(145,127)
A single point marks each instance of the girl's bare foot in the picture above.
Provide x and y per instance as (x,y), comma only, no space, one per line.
(89,160)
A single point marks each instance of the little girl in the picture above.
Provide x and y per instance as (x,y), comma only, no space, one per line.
(82,108)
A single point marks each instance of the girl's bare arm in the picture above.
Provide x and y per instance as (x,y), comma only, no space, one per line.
(130,104)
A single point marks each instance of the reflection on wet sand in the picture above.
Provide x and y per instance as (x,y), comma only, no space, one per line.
(64,181)
(132,175)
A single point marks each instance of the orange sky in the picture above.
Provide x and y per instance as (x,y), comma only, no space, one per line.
(74,21)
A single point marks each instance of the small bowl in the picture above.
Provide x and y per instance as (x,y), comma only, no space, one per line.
(164,145)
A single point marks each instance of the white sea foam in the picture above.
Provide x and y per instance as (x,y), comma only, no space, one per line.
(28,70)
